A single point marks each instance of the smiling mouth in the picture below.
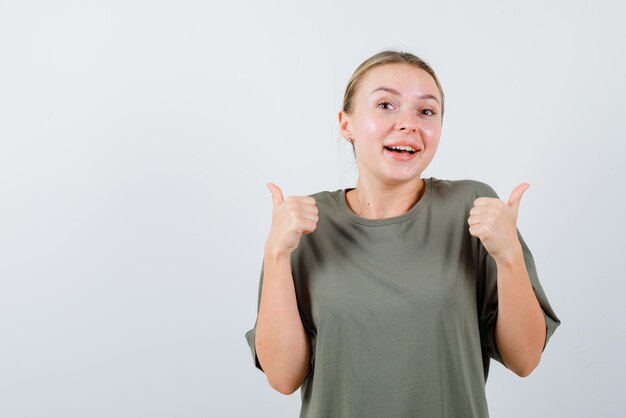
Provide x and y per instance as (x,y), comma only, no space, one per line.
(399,151)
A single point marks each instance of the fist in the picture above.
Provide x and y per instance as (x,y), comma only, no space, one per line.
(494,222)
(291,218)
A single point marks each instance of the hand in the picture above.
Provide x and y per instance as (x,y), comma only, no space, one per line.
(495,223)
(290,219)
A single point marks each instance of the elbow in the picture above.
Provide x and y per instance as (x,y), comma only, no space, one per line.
(286,390)
(287,387)
(523,372)
(283,384)
(282,387)
(283,375)
(528,368)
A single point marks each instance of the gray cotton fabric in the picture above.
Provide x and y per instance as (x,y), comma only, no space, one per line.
(400,312)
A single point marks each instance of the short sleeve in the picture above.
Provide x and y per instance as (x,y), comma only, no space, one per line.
(250,335)
(487,298)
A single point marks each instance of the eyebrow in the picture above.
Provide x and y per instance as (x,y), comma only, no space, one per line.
(397,93)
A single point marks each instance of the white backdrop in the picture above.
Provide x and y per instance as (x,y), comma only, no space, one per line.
(136,139)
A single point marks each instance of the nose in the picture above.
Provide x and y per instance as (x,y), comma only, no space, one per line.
(407,123)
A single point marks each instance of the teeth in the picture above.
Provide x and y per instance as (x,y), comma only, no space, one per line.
(405,148)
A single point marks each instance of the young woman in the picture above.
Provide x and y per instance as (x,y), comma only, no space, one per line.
(389,299)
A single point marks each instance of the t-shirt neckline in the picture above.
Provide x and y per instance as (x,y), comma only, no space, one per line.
(411,213)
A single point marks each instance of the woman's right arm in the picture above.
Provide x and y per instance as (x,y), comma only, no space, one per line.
(281,342)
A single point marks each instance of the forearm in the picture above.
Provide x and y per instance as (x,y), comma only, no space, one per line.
(281,342)
(520,327)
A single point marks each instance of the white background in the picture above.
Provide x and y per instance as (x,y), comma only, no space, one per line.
(136,139)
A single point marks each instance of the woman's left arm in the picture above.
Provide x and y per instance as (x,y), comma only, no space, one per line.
(520,327)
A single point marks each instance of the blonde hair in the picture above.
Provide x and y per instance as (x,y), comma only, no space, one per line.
(382,58)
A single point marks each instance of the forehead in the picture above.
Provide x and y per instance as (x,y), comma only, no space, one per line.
(405,78)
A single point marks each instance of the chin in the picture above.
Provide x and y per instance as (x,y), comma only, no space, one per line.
(403,180)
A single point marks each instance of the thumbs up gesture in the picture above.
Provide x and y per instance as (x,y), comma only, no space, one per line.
(291,218)
(494,222)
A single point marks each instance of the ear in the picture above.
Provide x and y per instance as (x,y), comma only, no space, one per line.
(345,125)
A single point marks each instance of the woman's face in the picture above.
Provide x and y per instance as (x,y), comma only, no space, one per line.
(395,104)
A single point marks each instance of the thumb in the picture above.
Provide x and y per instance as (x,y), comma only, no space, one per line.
(516,195)
(277,195)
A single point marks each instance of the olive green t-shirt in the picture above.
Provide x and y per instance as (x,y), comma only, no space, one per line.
(400,312)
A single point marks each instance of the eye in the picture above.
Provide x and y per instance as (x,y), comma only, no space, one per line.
(431,112)
(384,104)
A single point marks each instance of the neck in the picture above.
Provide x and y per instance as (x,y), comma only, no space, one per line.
(373,201)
